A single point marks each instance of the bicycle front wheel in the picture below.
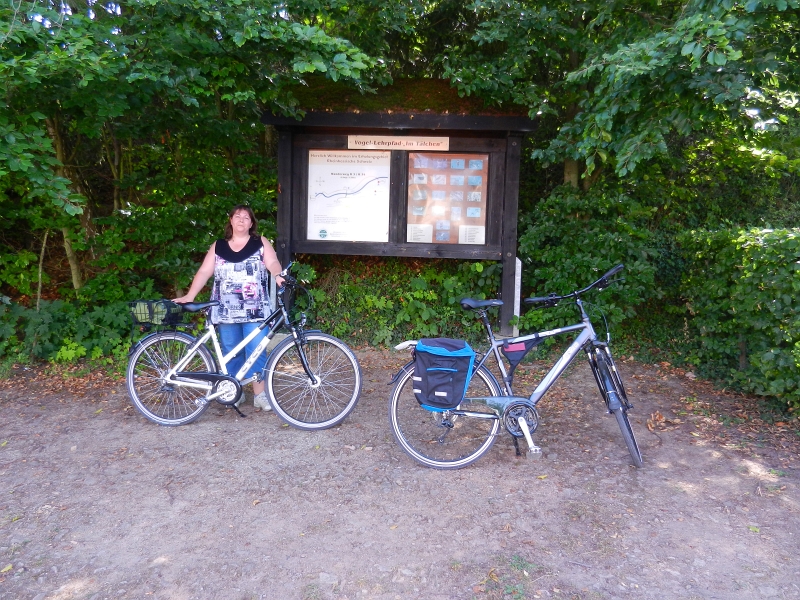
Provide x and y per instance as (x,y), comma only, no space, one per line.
(614,393)
(302,403)
(445,440)
(159,400)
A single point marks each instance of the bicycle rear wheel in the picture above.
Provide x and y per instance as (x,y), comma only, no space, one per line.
(444,440)
(157,399)
(616,399)
(313,406)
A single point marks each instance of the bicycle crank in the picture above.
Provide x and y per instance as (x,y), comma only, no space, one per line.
(521,420)
(512,414)
(226,389)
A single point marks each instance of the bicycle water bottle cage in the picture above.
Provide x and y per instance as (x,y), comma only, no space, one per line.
(471,303)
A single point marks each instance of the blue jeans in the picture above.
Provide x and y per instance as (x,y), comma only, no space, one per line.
(232,334)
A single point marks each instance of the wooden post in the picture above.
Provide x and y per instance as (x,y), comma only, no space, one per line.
(283,245)
(509,240)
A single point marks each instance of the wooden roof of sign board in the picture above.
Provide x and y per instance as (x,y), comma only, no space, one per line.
(431,104)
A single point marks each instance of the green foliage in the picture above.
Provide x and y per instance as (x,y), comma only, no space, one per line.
(64,331)
(382,302)
(576,237)
(19,271)
(741,292)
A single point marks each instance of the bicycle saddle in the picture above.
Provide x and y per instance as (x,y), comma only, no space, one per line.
(194,307)
(473,304)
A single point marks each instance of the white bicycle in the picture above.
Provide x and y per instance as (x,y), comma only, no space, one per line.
(313,380)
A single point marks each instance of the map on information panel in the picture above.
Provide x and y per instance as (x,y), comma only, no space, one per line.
(348,195)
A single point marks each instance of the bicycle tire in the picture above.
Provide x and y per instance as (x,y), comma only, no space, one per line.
(423,436)
(159,401)
(313,407)
(611,385)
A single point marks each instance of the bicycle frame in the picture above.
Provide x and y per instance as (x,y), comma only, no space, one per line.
(277,318)
(586,336)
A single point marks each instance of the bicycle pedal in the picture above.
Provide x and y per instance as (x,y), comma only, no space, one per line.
(534,453)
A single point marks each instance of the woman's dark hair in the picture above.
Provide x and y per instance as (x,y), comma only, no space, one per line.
(253,221)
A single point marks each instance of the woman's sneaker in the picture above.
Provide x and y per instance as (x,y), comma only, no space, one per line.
(262,402)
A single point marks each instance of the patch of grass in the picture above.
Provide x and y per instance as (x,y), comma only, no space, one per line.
(509,581)
(520,564)
(731,420)
(312,592)
(6,368)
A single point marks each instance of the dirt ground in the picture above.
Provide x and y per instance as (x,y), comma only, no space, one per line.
(96,502)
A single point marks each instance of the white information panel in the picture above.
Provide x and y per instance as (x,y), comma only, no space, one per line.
(348,195)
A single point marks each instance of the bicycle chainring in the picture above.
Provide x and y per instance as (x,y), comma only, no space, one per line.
(512,414)
(230,392)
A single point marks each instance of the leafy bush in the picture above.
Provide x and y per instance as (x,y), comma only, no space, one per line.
(573,239)
(382,301)
(63,331)
(18,270)
(742,289)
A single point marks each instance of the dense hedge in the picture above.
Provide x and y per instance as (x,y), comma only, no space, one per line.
(741,290)
(576,237)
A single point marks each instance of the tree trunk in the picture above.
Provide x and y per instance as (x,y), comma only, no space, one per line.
(54,130)
(41,260)
(113,152)
(572,167)
(74,264)
(571,172)
(590,179)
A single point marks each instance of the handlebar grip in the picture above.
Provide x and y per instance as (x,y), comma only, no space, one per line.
(287,270)
(613,271)
(546,300)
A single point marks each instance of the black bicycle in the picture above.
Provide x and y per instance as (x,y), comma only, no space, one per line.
(454,438)
(313,380)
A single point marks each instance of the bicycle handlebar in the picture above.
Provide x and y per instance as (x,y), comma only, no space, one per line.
(553,299)
(613,271)
(288,278)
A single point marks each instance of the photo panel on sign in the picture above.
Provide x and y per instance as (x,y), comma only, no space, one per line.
(439,185)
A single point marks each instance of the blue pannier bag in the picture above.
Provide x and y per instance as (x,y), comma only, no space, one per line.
(442,370)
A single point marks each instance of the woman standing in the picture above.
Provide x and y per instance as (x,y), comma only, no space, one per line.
(240,264)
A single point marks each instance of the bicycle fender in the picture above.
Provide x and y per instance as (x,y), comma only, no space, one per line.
(409,366)
(405,345)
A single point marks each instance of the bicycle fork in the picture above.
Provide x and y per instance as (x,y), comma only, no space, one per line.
(298,343)
(603,379)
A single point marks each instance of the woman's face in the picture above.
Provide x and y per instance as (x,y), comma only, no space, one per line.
(240,221)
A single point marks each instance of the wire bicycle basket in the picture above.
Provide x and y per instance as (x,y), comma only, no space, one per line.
(162,313)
